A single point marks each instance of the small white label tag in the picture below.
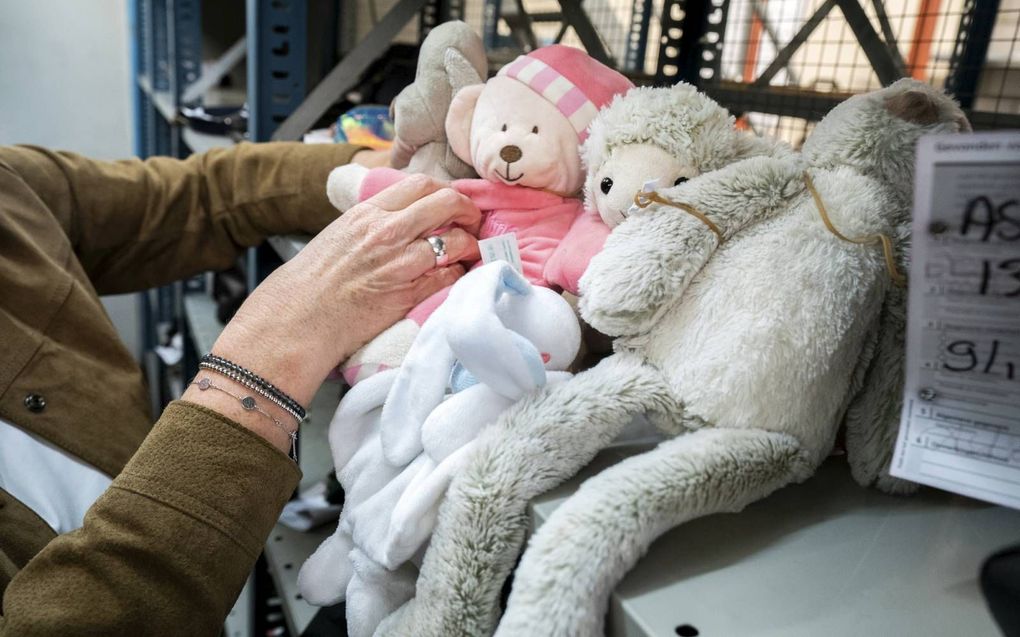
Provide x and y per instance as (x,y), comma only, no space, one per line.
(501,248)
(649,186)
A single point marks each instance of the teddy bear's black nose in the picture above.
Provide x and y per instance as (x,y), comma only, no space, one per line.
(510,154)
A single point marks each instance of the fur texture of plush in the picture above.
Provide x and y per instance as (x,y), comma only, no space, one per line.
(538,443)
(684,478)
(751,351)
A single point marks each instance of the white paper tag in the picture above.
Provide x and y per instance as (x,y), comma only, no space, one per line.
(960,426)
(501,248)
(649,186)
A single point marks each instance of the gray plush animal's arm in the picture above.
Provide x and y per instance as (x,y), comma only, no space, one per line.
(573,562)
(649,260)
(535,445)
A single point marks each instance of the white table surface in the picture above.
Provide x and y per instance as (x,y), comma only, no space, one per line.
(825,557)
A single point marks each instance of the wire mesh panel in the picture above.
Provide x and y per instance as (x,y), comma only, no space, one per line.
(786,63)
(783,64)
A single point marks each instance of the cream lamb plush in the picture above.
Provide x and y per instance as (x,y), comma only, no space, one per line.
(660,135)
(745,336)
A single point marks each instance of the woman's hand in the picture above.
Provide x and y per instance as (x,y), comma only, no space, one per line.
(357,277)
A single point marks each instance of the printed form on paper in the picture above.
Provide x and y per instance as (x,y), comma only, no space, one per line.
(960,427)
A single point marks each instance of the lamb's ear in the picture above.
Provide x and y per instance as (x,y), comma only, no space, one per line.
(458,120)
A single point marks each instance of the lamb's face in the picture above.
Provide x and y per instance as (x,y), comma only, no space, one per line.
(625,171)
(519,138)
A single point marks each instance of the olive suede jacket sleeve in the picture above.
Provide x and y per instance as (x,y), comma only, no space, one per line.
(167,548)
(137,224)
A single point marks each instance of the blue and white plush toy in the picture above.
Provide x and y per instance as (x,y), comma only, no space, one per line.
(399,437)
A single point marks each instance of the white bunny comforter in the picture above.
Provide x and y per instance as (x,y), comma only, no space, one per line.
(399,437)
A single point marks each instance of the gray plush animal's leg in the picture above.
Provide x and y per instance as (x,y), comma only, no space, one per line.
(537,444)
(571,565)
(873,417)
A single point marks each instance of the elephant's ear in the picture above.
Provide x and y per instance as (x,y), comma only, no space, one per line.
(459,71)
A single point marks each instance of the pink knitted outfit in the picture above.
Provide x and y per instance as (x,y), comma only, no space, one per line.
(555,237)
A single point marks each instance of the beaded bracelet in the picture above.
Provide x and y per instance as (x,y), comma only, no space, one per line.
(255,378)
(253,381)
(248,404)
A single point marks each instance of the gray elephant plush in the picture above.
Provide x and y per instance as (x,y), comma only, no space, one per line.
(746,330)
(451,57)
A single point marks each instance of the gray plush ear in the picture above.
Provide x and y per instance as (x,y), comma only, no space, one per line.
(916,107)
(459,72)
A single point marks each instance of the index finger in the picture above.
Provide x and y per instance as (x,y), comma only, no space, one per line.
(445,207)
(400,195)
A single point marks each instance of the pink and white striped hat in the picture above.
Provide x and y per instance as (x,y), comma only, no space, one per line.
(571,80)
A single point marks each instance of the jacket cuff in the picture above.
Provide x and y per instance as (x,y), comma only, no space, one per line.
(207,466)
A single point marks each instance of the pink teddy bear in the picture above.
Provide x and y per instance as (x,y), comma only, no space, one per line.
(521,131)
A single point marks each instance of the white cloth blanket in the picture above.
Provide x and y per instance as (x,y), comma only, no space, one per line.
(399,437)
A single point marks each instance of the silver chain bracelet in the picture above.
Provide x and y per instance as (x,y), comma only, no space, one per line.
(248,403)
(247,382)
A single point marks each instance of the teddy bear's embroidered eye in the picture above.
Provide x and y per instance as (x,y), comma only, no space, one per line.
(679,180)
(606,185)
(534,129)
(504,128)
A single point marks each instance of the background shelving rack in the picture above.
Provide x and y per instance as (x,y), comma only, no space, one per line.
(167,59)
(778,65)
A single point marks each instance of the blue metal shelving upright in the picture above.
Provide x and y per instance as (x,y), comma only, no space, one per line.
(277,83)
(277,50)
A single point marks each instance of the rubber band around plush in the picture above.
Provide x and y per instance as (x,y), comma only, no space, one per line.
(645,199)
(887,245)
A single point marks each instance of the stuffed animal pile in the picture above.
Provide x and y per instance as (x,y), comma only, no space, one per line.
(746,329)
(396,442)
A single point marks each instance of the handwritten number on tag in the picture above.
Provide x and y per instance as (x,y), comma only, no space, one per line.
(972,359)
(988,269)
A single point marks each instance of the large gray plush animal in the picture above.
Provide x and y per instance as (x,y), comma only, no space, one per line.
(750,344)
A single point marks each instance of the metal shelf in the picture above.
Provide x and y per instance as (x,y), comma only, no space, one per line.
(288,246)
(239,622)
(286,551)
(823,557)
(200,310)
(202,142)
(163,100)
